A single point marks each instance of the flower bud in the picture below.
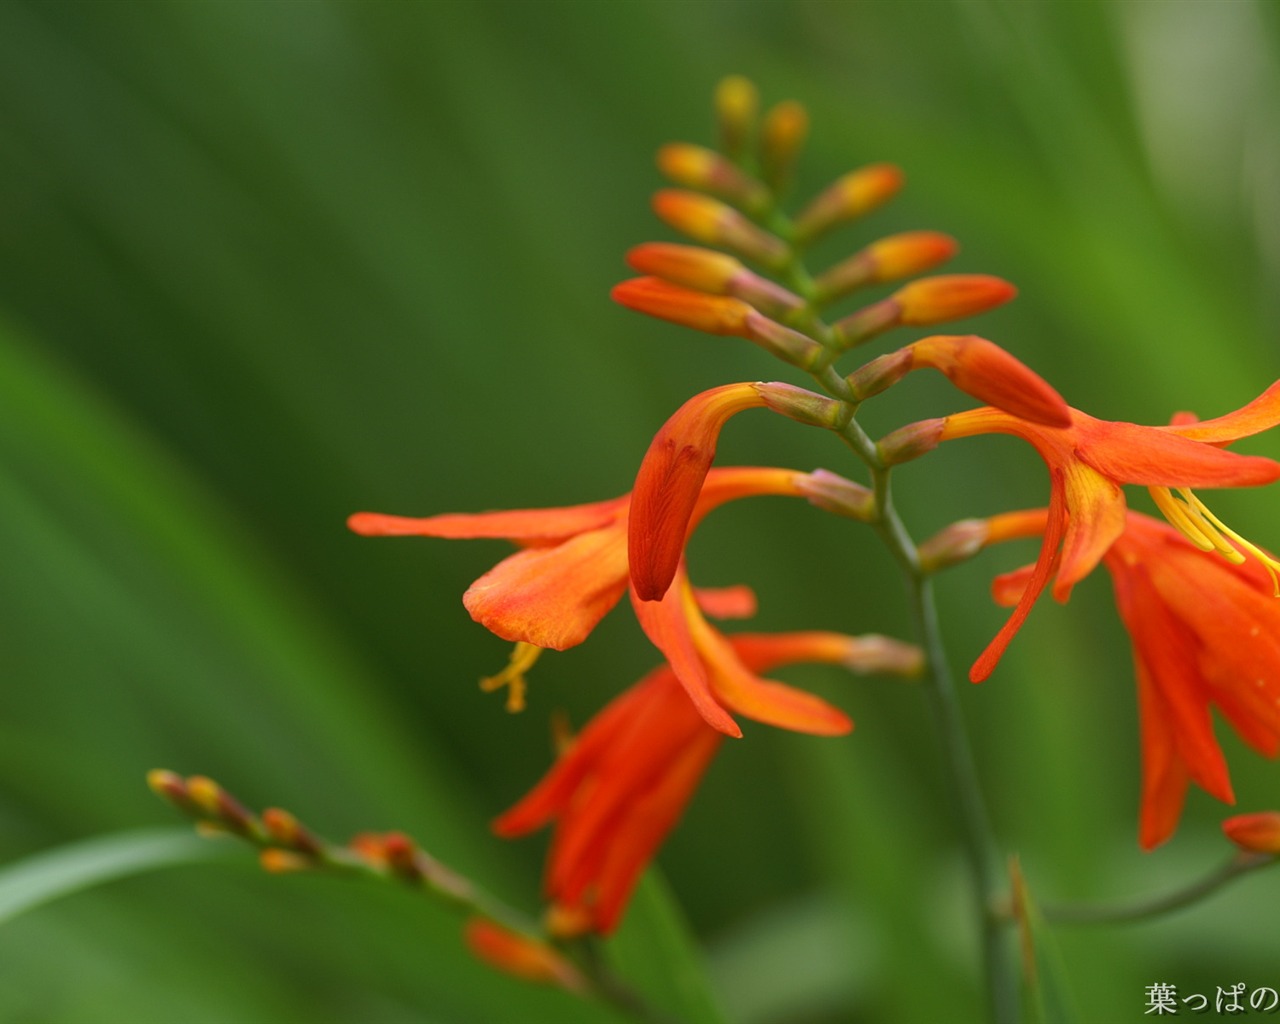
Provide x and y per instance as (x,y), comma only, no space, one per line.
(521,956)
(737,105)
(792,346)
(169,786)
(283,862)
(853,195)
(283,828)
(706,270)
(865,324)
(880,374)
(910,442)
(952,545)
(833,493)
(715,314)
(214,802)
(873,654)
(990,374)
(803,406)
(704,169)
(711,222)
(932,300)
(1255,833)
(785,129)
(889,259)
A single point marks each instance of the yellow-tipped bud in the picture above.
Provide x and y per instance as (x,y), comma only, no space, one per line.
(932,300)
(282,862)
(1255,833)
(853,195)
(702,168)
(889,259)
(706,270)
(170,786)
(715,314)
(737,104)
(711,222)
(785,129)
(283,828)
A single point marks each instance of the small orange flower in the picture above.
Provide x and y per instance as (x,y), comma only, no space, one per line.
(572,566)
(625,780)
(1205,633)
(1090,460)
(1255,833)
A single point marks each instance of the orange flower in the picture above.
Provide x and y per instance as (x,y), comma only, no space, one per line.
(521,956)
(572,566)
(1255,833)
(1089,461)
(1205,632)
(622,785)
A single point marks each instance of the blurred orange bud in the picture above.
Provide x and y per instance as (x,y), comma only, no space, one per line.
(170,786)
(851,196)
(879,374)
(833,493)
(737,105)
(910,442)
(282,862)
(521,956)
(711,222)
(803,406)
(983,369)
(283,828)
(1255,833)
(889,259)
(873,654)
(715,314)
(782,136)
(701,168)
(932,300)
(220,806)
(952,545)
(708,271)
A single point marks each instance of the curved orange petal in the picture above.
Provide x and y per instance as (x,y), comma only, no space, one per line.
(1158,457)
(1261,414)
(737,602)
(517,524)
(552,596)
(1095,518)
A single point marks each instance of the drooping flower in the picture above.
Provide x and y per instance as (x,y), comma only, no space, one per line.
(1088,462)
(624,782)
(1205,633)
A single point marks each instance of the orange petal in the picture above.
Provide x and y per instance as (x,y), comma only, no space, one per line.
(737,602)
(521,956)
(715,314)
(1157,457)
(1257,833)
(1095,518)
(552,596)
(990,374)
(1261,414)
(518,524)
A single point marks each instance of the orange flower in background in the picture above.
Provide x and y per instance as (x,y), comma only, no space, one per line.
(1205,633)
(622,785)
(1089,461)
(1255,833)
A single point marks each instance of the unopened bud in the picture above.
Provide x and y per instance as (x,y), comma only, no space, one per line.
(715,314)
(169,786)
(711,222)
(865,324)
(401,854)
(874,654)
(833,493)
(952,545)
(737,105)
(564,921)
(785,129)
(792,346)
(522,956)
(706,270)
(220,806)
(803,406)
(910,442)
(932,300)
(283,828)
(281,862)
(983,369)
(851,196)
(1255,833)
(889,259)
(705,169)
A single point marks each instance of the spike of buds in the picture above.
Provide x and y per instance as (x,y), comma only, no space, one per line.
(522,956)
(930,300)
(711,222)
(782,136)
(853,195)
(889,259)
(705,270)
(833,493)
(737,106)
(910,442)
(716,314)
(701,168)
(1255,833)
(977,367)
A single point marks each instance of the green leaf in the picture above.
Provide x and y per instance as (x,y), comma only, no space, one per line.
(50,875)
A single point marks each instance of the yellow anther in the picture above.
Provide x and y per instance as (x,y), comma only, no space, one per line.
(1209,533)
(522,659)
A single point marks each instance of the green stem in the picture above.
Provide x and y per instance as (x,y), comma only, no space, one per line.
(1153,906)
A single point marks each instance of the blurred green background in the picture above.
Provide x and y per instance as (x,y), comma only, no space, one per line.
(263,264)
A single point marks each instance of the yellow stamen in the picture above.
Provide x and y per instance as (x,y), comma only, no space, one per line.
(522,659)
(1209,533)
